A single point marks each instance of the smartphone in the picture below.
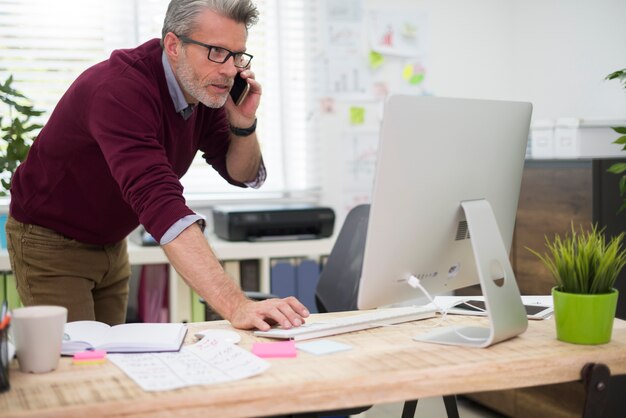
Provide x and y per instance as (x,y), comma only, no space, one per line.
(239,90)
(477,307)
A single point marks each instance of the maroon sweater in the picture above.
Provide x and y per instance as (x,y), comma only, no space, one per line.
(111,155)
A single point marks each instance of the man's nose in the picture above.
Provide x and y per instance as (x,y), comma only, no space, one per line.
(228,68)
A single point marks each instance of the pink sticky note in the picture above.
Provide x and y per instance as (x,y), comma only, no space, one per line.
(278,349)
(90,355)
(88,362)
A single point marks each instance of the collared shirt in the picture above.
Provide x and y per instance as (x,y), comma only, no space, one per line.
(178,97)
(186,110)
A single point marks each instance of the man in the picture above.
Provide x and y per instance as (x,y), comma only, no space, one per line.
(111,155)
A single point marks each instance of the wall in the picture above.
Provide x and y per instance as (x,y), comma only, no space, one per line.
(553,53)
(564,49)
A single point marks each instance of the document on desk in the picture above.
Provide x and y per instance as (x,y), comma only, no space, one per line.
(206,362)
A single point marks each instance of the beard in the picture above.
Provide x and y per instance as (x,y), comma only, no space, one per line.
(196,88)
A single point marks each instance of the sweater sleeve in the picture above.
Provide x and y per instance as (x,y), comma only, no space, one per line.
(215,142)
(125,122)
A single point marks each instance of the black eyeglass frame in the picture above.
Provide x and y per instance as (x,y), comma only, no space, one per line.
(187,40)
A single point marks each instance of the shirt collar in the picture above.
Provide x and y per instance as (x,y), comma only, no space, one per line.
(176,93)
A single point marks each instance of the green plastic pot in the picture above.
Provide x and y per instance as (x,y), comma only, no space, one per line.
(584,319)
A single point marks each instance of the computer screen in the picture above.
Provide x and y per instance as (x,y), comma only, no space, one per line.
(446,189)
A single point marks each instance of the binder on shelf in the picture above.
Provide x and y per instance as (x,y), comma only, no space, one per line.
(283,277)
(250,273)
(307,276)
(200,311)
(153,293)
(231,267)
(295,277)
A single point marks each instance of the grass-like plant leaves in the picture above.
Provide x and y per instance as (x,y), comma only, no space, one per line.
(584,262)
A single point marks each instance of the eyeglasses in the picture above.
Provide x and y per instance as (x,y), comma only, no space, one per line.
(221,55)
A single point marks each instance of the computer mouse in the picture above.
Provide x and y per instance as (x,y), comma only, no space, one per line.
(219,335)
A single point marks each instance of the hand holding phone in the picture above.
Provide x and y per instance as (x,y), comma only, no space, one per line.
(239,90)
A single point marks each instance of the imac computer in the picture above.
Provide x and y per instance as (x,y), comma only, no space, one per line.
(443,209)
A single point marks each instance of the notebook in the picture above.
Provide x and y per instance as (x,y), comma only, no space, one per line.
(123,338)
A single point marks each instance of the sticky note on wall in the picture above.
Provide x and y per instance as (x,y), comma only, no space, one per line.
(376,59)
(357,115)
(413,73)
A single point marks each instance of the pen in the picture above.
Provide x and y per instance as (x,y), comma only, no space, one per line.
(5,307)
(6,320)
(5,317)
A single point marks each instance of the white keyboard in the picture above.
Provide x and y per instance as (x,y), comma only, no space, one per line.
(370,319)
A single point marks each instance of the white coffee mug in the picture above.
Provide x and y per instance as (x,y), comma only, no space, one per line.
(38,335)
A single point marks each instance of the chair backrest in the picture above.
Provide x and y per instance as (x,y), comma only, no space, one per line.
(338,284)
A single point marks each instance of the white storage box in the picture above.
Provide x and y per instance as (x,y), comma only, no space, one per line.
(542,138)
(585,138)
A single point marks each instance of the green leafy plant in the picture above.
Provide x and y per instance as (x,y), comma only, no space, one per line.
(17,134)
(620,168)
(583,262)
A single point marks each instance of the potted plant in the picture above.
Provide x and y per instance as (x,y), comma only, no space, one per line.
(18,131)
(620,168)
(585,268)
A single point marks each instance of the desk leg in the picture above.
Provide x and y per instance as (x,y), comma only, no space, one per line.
(595,377)
(449,402)
(409,409)
(350,411)
(451,408)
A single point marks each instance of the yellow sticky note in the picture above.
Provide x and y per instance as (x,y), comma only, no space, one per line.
(357,115)
(376,59)
(413,74)
(407,72)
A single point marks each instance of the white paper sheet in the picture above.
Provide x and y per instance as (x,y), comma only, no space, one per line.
(206,362)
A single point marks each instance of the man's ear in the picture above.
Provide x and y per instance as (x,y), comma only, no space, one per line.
(171,46)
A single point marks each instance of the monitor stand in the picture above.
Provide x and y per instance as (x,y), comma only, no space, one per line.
(505,311)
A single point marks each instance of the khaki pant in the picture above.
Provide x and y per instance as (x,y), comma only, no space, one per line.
(91,281)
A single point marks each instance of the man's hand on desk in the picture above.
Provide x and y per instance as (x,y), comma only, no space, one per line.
(287,312)
(195,262)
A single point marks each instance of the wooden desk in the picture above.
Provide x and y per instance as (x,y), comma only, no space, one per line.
(385,365)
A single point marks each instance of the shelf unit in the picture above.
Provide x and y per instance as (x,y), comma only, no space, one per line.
(181,296)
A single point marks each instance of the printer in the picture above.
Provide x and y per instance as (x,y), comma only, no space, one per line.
(272,222)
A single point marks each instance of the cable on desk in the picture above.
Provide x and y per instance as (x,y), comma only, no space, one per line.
(415,283)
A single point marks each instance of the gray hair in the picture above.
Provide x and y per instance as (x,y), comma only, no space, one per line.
(180,17)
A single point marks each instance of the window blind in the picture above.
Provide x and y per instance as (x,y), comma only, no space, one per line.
(46,45)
